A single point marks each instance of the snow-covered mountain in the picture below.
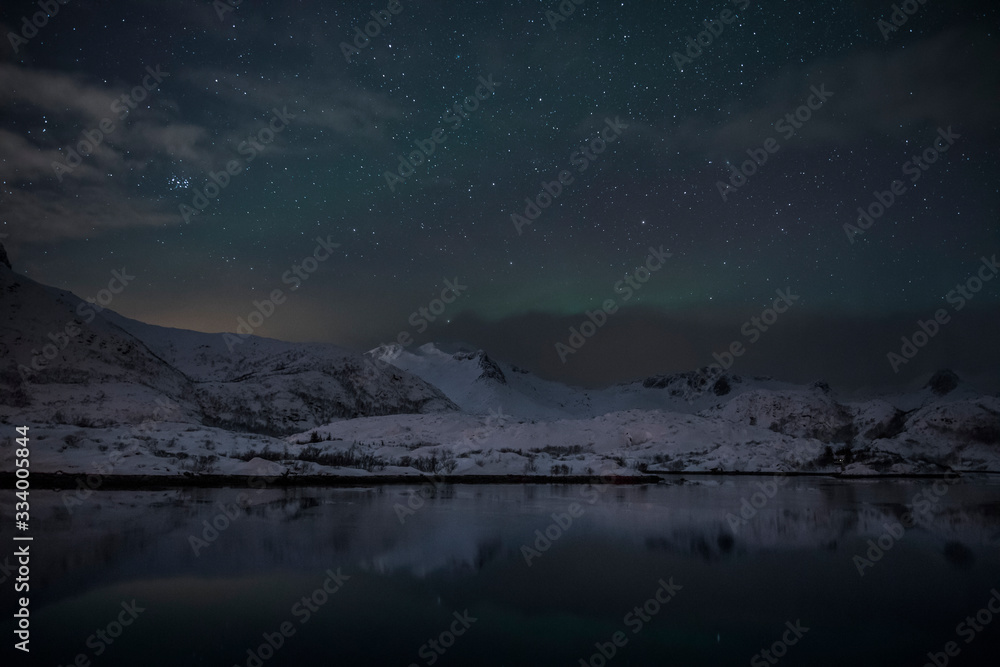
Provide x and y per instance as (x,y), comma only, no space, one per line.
(179,401)
(699,421)
(65,360)
(60,359)
(477,383)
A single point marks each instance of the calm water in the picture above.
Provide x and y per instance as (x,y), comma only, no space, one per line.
(454,571)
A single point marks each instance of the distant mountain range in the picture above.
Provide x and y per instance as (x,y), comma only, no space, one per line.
(91,382)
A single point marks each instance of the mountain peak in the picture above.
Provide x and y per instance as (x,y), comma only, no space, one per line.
(491,371)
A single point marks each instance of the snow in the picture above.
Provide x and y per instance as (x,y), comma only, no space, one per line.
(126,398)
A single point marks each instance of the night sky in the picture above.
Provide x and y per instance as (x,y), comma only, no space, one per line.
(645,135)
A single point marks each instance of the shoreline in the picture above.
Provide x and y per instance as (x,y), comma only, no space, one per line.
(60,481)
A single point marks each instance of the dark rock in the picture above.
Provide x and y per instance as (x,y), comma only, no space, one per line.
(890,429)
(721,386)
(656,382)
(491,371)
(943,382)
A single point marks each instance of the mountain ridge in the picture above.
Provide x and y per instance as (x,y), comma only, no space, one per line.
(85,380)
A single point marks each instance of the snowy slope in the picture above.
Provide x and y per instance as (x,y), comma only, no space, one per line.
(105,369)
(170,402)
(273,386)
(479,385)
(64,364)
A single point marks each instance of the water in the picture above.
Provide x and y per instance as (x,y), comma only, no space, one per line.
(403,574)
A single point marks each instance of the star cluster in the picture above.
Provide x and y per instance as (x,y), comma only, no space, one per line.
(391,145)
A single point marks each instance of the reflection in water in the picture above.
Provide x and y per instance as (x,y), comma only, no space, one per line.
(216,578)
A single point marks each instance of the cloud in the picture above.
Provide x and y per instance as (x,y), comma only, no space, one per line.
(177,141)
(77,107)
(23,161)
(936,81)
(340,105)
(54,92)
(44,215)
(43,204)
(96,196)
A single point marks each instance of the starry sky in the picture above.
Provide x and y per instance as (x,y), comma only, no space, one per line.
(311,123)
